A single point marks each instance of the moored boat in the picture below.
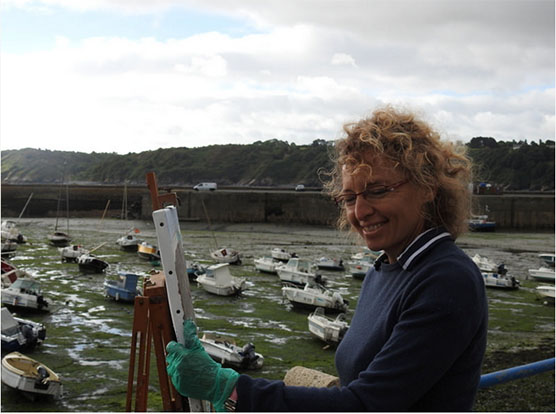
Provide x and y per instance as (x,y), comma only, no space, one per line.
(548,258)
(359,268)
(19,334)
(89,263)
(11,232)
(59,239)
(299,271)
(218,280)
(266,264)
(329,330)
(70,254)
(129,242)
(546,293)
(327,263)
(501,281)
(25,295)
(30,376)
(227,353)
(281,255)
(543,273)
(124,289)
(148,251)
(226,255)
(8,248)
(314,296)
(481,223)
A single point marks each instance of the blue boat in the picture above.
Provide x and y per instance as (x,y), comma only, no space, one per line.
(124,289)
(481,223)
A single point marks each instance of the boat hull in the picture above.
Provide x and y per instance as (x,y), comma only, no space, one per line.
(24,374)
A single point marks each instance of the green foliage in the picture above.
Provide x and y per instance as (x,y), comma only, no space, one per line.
(513,165)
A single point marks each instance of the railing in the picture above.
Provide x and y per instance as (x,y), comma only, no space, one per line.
(522,371)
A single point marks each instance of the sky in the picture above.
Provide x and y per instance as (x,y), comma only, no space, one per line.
(136,75)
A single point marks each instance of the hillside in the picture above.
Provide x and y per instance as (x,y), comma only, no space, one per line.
(514,166)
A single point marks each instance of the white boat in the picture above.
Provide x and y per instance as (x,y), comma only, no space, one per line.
(129,242)
(299,271)
(24,294)
(327,263)
(19,334)
(70,254)
(280,254)
(266,264)
(29,376)
(548,258)
(359,268)
(226,255)
(218,280)
(501,281)
(542,273)
(227,353)
(329,330)
(11,232)
(547,293)
(485,264)
(314,296)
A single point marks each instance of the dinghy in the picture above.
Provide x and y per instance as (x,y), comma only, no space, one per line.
(29,376)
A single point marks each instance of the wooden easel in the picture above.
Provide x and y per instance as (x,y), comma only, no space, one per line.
(158,314)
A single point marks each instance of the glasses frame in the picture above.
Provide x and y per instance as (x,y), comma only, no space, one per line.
(388,189)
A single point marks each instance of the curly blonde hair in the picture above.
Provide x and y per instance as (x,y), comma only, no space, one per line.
(416,149)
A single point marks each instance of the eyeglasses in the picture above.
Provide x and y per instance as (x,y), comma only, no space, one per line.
(374,192)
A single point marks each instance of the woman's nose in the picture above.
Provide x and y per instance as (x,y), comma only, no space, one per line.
(362,208)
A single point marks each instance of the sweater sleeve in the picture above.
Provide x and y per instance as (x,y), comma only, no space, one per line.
(430,347)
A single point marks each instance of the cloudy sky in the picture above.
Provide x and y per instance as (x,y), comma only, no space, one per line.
(134,75)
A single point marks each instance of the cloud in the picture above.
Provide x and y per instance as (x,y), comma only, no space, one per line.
(474,68)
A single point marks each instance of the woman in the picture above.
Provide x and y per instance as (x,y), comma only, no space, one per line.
(418,335)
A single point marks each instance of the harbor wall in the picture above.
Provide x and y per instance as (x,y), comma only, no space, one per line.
(524,212)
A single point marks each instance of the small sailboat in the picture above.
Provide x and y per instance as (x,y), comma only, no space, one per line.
(30,376)
(280,254)
(129,242)
(60,238)
(327,263)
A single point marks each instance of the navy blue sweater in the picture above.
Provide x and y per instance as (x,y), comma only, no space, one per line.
(415,343)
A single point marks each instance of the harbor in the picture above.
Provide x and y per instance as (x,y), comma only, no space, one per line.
(88,335)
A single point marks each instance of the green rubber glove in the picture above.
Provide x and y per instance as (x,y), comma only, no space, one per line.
(195,374)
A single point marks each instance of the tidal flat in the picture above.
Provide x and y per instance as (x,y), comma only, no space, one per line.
(88,336)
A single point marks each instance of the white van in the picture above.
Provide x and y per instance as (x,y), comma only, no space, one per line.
(205,187)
